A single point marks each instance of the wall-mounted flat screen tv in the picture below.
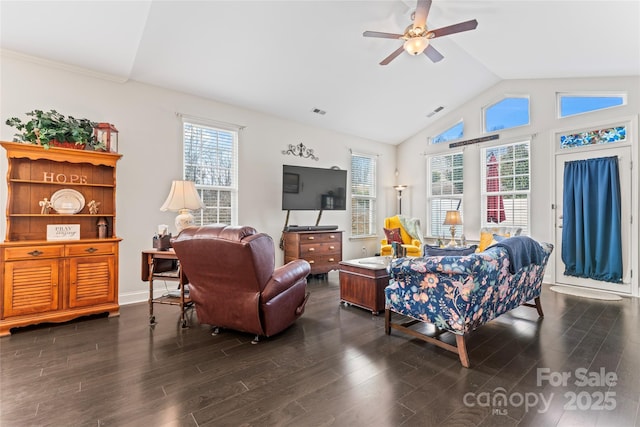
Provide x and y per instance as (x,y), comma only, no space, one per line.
(307,189)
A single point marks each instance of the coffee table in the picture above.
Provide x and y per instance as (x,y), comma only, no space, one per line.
(362,282)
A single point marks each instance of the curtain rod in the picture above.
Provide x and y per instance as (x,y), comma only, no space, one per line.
(211,122)
(352,151)
(484,143)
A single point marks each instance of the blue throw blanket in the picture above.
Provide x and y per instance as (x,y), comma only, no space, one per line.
(522,251)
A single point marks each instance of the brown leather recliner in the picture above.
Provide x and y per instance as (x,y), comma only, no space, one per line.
(233,280)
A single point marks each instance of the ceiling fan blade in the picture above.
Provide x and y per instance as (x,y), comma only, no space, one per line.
(381,35)
(433,54)
(393,56)
(422,10)
(455,28)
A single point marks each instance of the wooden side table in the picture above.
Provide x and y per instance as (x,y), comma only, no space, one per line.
(362,282)
(164,265)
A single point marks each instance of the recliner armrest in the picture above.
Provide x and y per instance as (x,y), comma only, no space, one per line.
(284,277)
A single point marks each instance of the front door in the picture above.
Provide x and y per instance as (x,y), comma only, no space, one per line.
(624,164)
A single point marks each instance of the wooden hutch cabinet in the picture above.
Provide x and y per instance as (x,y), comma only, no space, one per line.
(58,280)
(322,249)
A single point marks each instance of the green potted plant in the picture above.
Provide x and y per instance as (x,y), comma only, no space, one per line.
(54,129)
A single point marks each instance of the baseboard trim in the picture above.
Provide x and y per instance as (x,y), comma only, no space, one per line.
(138,296)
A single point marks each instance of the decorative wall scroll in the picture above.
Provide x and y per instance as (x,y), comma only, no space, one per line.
(300,150)
(474,141)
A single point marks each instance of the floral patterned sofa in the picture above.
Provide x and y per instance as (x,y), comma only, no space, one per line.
(458,294)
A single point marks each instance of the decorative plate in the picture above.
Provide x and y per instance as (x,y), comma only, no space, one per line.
(67,201)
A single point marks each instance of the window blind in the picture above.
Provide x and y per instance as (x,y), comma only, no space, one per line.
(506,185)
(363,195)
(445,189)
(210,160)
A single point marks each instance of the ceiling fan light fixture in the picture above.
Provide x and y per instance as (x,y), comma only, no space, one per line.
(416,45)
(416,36)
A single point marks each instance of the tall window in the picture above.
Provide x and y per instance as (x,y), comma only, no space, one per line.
(445,189)
(506,186)
(211,161)
(363,195)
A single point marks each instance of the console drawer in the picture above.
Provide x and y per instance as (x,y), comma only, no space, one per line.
(323,264)
(86,249)
(319,249)
(320,237)
(33,252)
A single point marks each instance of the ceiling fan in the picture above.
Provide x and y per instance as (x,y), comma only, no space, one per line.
(416,36)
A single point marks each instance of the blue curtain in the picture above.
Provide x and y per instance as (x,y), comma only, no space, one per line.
(591,231)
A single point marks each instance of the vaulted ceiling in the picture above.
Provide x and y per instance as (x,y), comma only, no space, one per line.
(288,58)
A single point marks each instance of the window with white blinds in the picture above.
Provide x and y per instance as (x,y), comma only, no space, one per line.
(363,195)
(445,190)
(506,186)
(211,161)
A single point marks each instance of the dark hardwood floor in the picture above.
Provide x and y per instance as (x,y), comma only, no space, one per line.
(334,366)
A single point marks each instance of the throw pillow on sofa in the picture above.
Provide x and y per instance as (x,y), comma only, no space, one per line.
(438,251)
(496,238)
(487,239)
(487,235)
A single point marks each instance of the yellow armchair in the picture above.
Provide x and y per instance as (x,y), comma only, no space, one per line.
(413,246)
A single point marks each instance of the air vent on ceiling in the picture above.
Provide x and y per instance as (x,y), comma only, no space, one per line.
(319,111)
(434,112)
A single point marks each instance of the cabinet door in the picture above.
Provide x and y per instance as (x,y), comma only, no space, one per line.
(91,280)
(30,287)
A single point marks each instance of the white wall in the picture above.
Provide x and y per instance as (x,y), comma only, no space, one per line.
(544,125)
(150,141)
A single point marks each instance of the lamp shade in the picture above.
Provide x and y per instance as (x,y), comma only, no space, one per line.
(416,45)
(183,195)
(452,218)
(182,198)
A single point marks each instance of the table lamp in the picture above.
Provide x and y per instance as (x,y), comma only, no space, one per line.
(452,218)
(182,198)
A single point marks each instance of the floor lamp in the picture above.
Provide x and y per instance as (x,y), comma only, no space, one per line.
(399,189)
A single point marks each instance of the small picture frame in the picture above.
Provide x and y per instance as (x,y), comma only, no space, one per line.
(291,183)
